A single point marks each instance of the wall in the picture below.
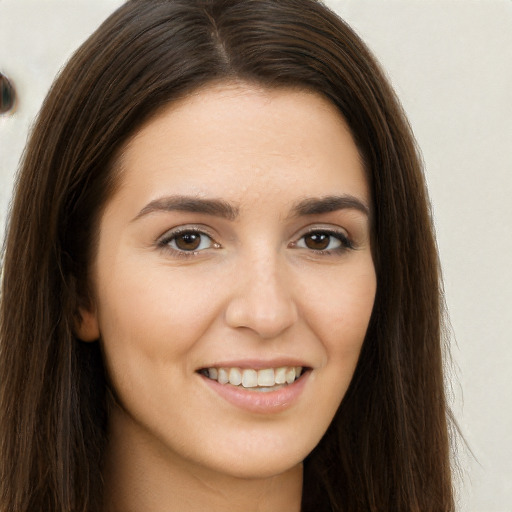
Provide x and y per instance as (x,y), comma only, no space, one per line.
(450,62)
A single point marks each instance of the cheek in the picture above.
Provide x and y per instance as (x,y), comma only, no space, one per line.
(345,301)
(340,314)
(351,312)
(148,330)
(152,314)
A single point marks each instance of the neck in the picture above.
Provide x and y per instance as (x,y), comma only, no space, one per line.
(140,475)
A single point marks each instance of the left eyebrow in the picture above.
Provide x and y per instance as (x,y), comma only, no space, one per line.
(317,206)
(214,207)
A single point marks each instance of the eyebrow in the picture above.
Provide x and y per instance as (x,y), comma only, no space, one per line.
(221,208)
(317,206)
(215,207)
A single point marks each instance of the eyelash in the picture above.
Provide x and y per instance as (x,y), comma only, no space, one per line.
(345,242)
(165,241)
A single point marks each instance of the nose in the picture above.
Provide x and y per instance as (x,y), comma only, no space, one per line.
(262,299)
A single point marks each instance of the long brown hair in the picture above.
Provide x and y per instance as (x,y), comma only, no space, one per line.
(388,446)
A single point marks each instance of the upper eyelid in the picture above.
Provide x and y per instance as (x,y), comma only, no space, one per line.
(178,230)
(164,242)
(205,230)
(336,230)
(342,234)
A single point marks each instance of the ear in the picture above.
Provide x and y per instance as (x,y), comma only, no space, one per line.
(86,325)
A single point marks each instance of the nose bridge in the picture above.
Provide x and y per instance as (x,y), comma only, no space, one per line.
(263,299)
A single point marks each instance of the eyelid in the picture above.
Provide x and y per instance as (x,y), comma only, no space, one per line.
(326,228)
(164,240)
(338,232)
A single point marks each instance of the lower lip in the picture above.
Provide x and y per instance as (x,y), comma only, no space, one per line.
(262,402)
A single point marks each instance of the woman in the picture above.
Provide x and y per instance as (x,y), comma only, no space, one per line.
(220,279)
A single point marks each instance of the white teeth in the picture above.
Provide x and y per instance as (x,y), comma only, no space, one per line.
(290,375)
(280,375)
(249,378)
(264,379)
(235,376)
(223,377)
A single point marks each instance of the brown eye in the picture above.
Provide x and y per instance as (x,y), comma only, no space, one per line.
(188,241)
(324,241)
(317,241)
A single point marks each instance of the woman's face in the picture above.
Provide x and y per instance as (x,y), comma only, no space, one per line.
(237,247)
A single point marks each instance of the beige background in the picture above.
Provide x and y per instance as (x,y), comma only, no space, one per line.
(451,64)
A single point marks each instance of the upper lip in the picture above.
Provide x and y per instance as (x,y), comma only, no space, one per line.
(257,364)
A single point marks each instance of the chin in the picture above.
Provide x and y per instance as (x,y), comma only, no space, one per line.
(263,469)
(260,461)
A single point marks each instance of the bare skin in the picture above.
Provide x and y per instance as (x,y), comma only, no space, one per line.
(136,482)
(236,247)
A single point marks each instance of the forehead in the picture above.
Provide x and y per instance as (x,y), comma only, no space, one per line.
(242,142)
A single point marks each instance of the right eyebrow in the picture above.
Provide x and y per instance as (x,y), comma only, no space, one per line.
(215,207)
(318,206)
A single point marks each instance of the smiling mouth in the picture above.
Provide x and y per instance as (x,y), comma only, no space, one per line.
(266,379)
